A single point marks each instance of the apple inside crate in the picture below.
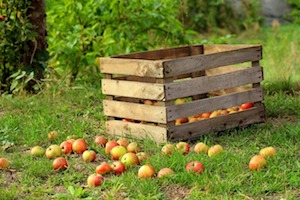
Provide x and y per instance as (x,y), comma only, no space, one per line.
(184,92)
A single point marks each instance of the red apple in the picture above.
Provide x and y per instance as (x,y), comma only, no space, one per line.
(66,147)
(118,167)
(148,102)
(4,163)
(142,156)
(123,142)
(52,135)
(79,146)
(133,147)
(183,147)
(267,152)
(37,151)
(100,140)
(257,162)
(246,106)
(201,147)
(89,156)
(95,180)
(117,152)
(195,166)
(214,150)
(60,163)
(165,172)
(104,168)
(206,115)
(53,151)
(109,145)
(130,159)
(168,149)
(146,171)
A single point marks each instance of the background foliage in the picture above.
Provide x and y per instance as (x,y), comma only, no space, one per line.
(295,13)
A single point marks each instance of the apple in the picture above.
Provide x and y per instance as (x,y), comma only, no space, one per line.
(117,152)
(133,147)
(79,146)
(168,149)
(246,106)
(148,102)
(104,168)
(52,135)
(123,142)
(193,119)
(100,140)
(60,163)
(95,180)
(4,163)
(118,167)
(214,150)
(181,120)
(146,171)
(179,101)
(109,145)
(130,159)
(233,109)
(71,141)
(142,156)
(89,156)
(128,120)
(66,147)
(224,112)
(165,172)
(215,113)
(53,151)
(183,147)
(195,166)
(206,115)
(37,151)
(267,152)
(71,137)
(201,147)
(257,162)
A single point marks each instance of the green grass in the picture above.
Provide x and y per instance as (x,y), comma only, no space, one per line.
(26,120)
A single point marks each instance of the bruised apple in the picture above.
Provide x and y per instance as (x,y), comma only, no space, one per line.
(104,168)
(133,147)
(257,162)
(142,156)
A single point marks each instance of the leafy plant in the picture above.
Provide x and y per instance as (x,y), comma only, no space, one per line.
(295,13)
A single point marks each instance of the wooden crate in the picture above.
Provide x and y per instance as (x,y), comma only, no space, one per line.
(189,72)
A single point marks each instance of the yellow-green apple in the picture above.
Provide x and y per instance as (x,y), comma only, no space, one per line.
(117,152)
(100,140)
(168,149)
(146,171)
(37,151)
(79,146)
(66,147)
(179,101)
(165,172)
(52,135)
(267,152)
(4,163)
(201,147)
(89,156)
(118,167)
(192,119)
(215,113)
(233,109)
(94,180)
(71,137)
(224,112)
(183,147)
(60,163)
(130,159)
(142,156)
(123,142)
(109,145)
(195,166)
(214,150)
(104,168)
(257,162)
(133,147)
(53,151)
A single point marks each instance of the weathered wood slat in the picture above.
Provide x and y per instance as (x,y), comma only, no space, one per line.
(139,131)
(217,124)
(133,89)
(135,67)
(214,103)
(207,84)
(135,111)
(195,63)
(214,48)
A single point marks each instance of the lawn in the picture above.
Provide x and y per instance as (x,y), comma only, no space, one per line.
(26,120)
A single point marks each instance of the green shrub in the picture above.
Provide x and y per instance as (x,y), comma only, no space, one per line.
(295,13)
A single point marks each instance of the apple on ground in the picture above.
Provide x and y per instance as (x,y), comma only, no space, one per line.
(214,150)
(60,163)
(89,156)
(104,168)
(130,159)
(142,156)
(66,147)
(183,147)
(37,151)
(117,152)
(165,172)
(100,140)
(118,167)
(95,180)
(195,166)
(4,163)
(201,147)
(133,147)
(53,151)
(168,149)
(146,171)
(52,135)
(71,141)
(109,145)
(268,152)
(71,137)
(257,162)
(79,146)
(123,142)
